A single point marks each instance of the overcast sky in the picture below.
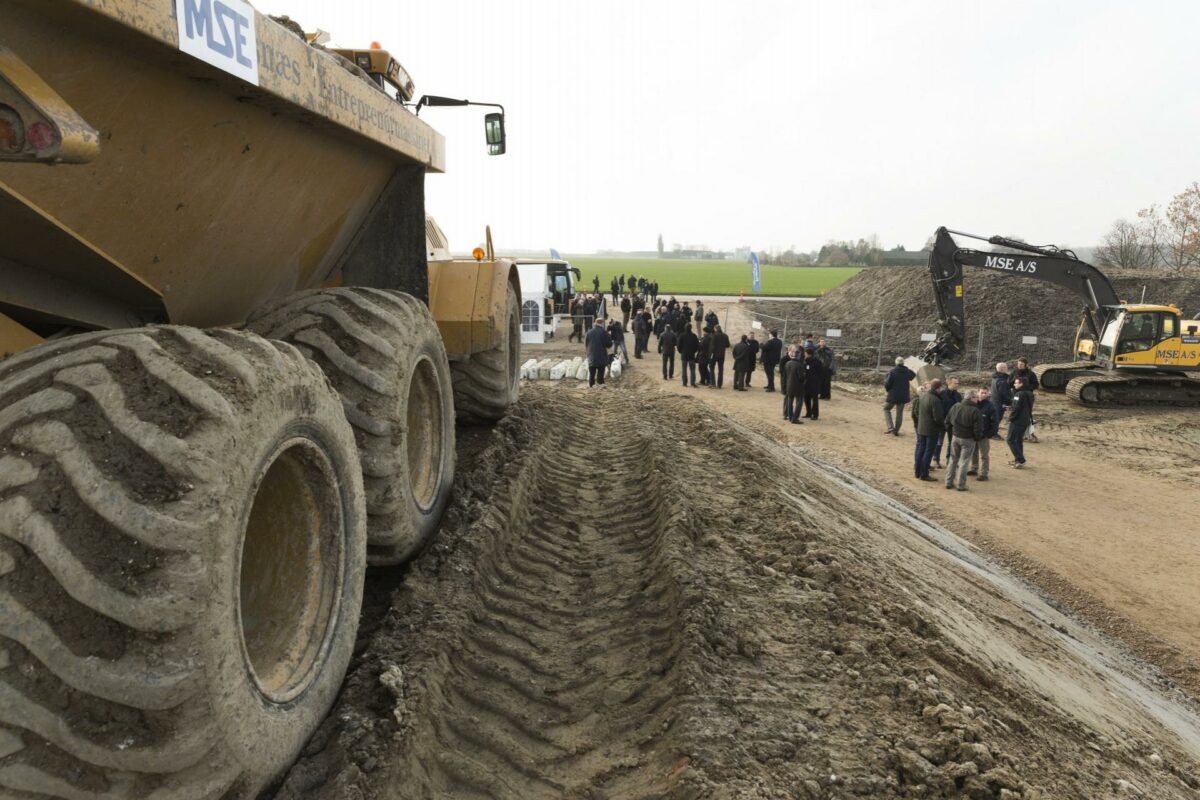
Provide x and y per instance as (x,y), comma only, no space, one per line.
(771,124)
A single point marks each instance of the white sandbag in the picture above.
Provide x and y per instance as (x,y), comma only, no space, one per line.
(529,369)
(581,374)
(559,370)
(615,369)
(543,369)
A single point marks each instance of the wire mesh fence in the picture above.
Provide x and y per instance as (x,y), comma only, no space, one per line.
(875,345)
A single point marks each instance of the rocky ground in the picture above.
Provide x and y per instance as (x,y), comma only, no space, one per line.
(635,595)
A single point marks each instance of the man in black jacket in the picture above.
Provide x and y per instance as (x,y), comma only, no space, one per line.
(741,358)
(616,332)
(666,346)
(1019,415)
(626,307)
(793,386)
(1027,374)
(688,344)
(814,377)
(598,342)
(752,362)
(704,358)
(772,349)
(828,361)
(897,384)
(716,362)
(983,448)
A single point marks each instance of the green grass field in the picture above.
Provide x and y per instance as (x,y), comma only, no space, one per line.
(687,277)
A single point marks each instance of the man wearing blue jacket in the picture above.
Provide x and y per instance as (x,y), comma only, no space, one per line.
(1001,391)
(897,384)
(981,458)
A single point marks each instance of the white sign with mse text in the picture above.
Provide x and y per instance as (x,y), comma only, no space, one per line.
(221,33)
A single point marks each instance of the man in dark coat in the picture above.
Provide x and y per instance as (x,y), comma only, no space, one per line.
(814,378)
(598,342)
(1019,416)
(577,319)
(689,344)
(896,384)
(950,396)
(616,332)
(983,448)
(1001,391)
(829,363)
(710,322)
(716,362)
(704,358)
(1026,373)
(772,349)
(698,316)
(752,362)
(792,378)
(666,346)
(626,307)
(741,361)
(928,418)
(641,335)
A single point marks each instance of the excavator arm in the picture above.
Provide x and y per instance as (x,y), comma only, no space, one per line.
(1045,263)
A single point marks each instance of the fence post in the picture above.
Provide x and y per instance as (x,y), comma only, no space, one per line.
(979,354)
(785,322)
(879,360)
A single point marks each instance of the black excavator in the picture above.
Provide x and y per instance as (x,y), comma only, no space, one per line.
(1126,354)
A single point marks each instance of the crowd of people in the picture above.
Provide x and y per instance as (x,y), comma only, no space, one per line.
(690,337)
(954,428)
(961,426)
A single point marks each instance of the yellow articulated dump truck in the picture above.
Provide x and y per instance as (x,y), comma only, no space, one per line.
(229,375)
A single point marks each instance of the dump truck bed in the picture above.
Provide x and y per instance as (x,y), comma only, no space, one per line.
(210,194)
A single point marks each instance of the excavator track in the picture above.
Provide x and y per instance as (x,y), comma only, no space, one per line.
(1055,377)
(1119,389)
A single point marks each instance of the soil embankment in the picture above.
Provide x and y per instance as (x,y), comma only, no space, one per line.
(634,595)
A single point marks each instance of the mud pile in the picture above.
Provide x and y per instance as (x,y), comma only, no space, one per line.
(904,294)
(661,603)
(1000,312)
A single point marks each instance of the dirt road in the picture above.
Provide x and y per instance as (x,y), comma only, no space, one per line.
(1104,517)
(634,596)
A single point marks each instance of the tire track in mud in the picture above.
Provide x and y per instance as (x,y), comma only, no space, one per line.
(562,676)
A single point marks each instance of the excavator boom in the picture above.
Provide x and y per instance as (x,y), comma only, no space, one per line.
(952,251)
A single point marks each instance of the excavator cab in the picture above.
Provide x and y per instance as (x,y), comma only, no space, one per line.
(1140,336)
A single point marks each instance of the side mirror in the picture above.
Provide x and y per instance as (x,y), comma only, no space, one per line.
(493,125)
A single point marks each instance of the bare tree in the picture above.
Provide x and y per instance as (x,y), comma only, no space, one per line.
(1123,247)
(1183,229)
(1152,228)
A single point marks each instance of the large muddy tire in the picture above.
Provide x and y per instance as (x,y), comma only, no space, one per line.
(486,384)
(182,550)
(384,355)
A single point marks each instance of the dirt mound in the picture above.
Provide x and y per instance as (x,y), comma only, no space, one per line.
(601,616)
(894,306)
(904,294)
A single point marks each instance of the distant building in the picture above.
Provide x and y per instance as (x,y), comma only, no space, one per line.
(700,255)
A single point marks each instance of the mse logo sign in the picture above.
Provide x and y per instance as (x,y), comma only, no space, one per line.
(221,33)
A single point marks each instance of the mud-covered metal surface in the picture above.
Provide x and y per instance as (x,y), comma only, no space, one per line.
(290,70)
